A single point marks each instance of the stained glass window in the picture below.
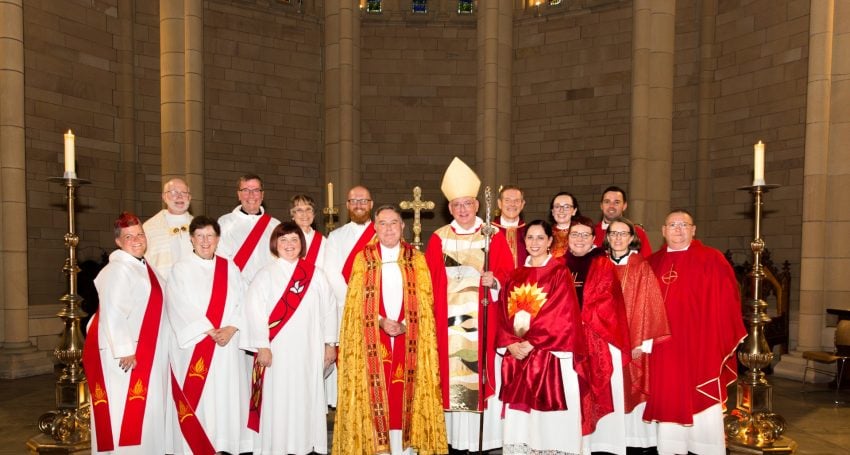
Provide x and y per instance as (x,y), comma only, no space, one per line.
(420,6)
(464,6)
(373,6)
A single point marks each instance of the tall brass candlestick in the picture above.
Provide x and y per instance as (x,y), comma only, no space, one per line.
(753,427)
(67,429)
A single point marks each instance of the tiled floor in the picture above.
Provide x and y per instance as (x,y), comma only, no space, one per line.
(818,427)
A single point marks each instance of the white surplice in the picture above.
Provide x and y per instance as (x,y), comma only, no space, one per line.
(293,418)
(235,227)
(123,288)
(223,406)
(168,240)
(340,242)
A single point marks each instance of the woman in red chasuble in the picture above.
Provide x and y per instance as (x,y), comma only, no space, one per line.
(541,337)
(606,331)
(647,327)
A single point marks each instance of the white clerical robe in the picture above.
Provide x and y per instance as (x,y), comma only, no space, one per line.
(223,406)
(235,227)
(123,289)
(293,414)
(168,240)
(340,243)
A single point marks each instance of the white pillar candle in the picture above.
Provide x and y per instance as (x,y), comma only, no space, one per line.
(758,167)
(70,170)
(330,195)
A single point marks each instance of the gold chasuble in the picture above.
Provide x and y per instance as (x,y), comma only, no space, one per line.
(362,423)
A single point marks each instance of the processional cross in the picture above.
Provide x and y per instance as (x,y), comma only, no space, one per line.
(417,205)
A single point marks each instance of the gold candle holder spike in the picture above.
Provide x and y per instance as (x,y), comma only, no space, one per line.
(67,428)
(753,427)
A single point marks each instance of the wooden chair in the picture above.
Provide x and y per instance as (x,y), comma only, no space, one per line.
(838,357)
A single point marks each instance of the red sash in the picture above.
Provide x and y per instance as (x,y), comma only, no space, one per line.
(367,235)
(313,251)
(392,356)
(289,302)
(250,243)
(137,392)
(186,400)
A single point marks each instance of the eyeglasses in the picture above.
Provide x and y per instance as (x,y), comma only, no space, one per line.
(581,235)
(464,204)
(247,191)
(359,201)
(176,194)
(562,207)
(679,225)
(619,234)
(303,211)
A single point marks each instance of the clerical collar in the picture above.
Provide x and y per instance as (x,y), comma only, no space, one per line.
(389,255)
(506,223)
(141,259)
(460,230)
(251,214)
(671,250)
(622,260)
(604,224)
(566,228)
(546,261)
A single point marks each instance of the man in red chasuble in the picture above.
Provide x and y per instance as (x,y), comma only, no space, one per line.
(511,227)
(690,372)
(389,381)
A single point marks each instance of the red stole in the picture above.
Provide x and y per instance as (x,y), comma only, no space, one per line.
(289,302)
(548,295)
(367,235)
(250,243)
(186,400)
(137,392)
(515,238)
(313,251)
(392,378)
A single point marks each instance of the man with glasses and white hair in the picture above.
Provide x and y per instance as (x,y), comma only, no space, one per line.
(168,230)
(455,256)
(245,232)
(690,372)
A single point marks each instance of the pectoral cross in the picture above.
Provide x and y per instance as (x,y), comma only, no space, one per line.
(417,205)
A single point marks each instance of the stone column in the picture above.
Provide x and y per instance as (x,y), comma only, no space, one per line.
(826,179)
(17,356)
(652,114)
(493,119)
(181,37)
(342,96)
(125,99)
(708,64)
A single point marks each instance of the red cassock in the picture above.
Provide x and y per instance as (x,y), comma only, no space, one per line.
(548,294)
(647,321)
(690,372)
(603,313)
(501,264)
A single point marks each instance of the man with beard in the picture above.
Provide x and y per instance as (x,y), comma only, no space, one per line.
(613,204)
(347,241)
(168,230)
(511,227)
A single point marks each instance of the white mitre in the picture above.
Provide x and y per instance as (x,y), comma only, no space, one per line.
(460,181)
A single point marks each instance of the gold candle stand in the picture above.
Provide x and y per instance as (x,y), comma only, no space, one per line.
(752,427)
(67,429)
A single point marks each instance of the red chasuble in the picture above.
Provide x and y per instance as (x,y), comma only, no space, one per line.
(647,321)
(645,247)
(365,237)
(288,304)
(548,295)
(250,243)
(604,315)
(186,399)
(691,371)
(501,265)
(136,399)
(514,238)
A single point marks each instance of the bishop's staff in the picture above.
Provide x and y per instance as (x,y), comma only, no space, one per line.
(488,231)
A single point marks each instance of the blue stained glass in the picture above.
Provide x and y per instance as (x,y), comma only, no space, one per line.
(420,6)
(464,6)
(373,6)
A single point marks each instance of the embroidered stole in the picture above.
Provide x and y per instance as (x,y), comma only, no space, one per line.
(186,400)
(367,235)
(250,243)
(313,251)
(137,392)
(391,371)
(295,291)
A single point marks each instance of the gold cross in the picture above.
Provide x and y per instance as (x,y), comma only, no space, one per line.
(417,205)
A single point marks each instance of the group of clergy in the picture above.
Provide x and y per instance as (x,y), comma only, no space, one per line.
(566,336)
